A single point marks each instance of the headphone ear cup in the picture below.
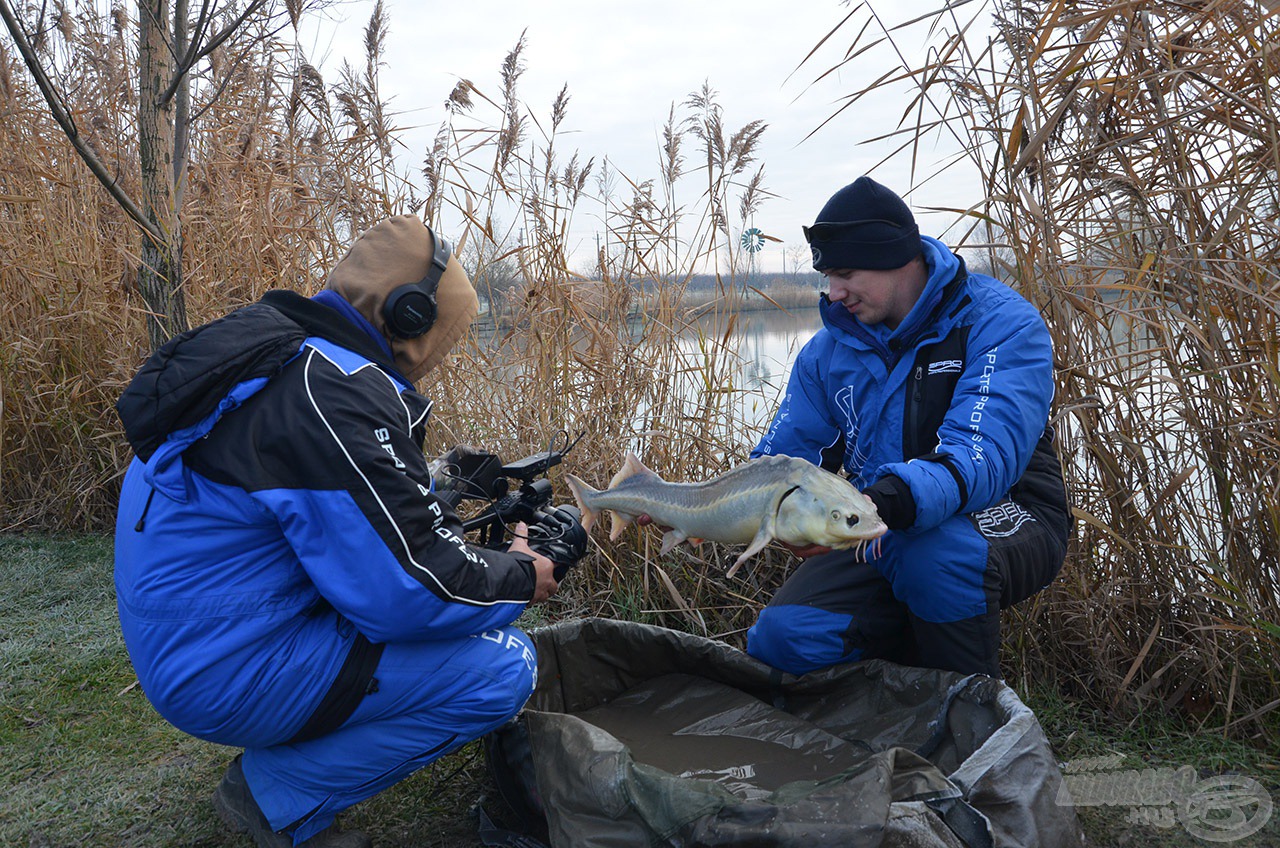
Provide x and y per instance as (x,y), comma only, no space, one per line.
(409,311)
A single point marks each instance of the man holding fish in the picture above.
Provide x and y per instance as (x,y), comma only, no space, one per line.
(929,388)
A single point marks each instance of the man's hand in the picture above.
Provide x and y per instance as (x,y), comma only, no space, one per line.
(643,520)
(543,568)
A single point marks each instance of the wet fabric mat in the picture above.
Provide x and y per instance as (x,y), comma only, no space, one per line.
(640,735)
(697,728)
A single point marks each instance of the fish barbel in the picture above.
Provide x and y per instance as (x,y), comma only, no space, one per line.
(774,497)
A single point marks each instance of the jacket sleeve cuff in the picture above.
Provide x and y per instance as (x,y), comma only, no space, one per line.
(893,500)
(526,562)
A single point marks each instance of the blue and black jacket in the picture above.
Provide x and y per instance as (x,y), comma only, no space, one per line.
(277,525)
(946,414)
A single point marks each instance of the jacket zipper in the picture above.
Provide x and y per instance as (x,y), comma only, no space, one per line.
(913,411)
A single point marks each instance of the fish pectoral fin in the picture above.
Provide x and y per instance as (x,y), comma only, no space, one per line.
(621,521)
(758,544)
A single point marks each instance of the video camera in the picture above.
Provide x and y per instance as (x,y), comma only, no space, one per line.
(467,473)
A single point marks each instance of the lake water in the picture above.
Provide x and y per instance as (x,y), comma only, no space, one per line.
(767,343)
(763,344)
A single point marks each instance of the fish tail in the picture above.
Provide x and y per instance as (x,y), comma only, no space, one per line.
(580,492)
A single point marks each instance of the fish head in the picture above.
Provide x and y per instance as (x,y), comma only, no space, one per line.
(825,509)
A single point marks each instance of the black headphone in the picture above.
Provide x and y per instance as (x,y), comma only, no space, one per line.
(410,309)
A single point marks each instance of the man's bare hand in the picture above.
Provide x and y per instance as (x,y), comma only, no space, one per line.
(643,520)
(543,568)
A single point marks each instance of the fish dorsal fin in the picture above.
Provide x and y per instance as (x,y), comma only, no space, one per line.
(631,466)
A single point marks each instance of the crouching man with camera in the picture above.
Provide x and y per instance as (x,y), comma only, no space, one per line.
(288,582)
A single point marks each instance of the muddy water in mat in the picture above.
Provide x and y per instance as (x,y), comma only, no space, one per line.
(696,728)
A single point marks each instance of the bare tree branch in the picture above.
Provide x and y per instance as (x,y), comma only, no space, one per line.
(188,47)
(60,114)
(236,61)
(195,53)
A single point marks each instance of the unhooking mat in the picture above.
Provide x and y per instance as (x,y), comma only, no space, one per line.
(638,735)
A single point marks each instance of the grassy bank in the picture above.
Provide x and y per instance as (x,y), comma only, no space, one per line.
(89,763)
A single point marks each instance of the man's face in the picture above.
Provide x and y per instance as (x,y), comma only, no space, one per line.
(873,297)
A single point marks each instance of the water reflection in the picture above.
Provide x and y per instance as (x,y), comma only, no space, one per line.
(766,343)
(758,347)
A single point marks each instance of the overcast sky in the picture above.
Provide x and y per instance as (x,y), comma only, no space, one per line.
(626,63)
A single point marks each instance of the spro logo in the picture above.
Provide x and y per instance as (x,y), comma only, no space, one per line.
(1002,520)
(383,435)
(946,366)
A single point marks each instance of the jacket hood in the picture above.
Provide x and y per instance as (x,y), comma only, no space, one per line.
(393,253)
(187,377)
(195,377)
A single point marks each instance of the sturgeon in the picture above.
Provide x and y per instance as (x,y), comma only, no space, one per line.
(774,497)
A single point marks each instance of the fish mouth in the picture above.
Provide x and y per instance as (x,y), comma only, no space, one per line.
(862,527)
(864,531)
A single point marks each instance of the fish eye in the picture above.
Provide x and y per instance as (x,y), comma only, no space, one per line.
(835,515)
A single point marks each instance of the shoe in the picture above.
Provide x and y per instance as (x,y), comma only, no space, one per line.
(235,806)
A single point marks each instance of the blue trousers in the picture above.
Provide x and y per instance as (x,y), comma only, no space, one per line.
(929,599)
(431,698)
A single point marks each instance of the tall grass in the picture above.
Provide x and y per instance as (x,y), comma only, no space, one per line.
(572,359)
(285,168)
(1129,156)
(1129,153)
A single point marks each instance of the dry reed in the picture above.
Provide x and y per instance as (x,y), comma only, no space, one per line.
(1130,156)
(1129,153)
(284,168)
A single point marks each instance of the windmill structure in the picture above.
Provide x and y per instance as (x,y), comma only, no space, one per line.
(752,242)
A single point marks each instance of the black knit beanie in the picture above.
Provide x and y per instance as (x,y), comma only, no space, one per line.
(864,226)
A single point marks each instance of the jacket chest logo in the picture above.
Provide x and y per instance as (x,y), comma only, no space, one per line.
(946,366)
